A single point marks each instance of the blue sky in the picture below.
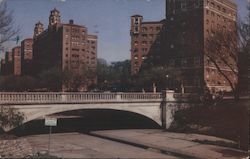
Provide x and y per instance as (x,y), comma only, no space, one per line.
(111,18)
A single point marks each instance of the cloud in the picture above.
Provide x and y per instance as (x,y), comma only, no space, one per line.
(61,0)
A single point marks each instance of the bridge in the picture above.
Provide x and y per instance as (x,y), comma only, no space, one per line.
(159,107)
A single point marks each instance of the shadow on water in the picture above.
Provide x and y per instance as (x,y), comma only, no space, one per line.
(88,120)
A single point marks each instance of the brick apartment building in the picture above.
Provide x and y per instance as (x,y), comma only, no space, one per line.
(8,64)
(3,67)
(66,47)
(145,41)
(189,25)
(27,56)
(16,56)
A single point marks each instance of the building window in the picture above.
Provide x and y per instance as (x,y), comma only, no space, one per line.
(207,11)
(144,35)
(144,49)
(136,43)
(144,29)
(184,5)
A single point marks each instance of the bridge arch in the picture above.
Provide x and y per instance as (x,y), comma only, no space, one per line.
(148,110)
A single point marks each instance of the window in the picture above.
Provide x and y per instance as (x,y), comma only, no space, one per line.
(218,7)
(136,43)
(144,35)
(207,11)
(144,49)
(144,29)
(183,5)
(224,10)
(212,14)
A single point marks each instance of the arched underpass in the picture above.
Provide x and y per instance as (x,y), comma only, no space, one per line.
(85,120)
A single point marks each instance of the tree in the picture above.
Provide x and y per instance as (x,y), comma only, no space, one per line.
(10,117)
(224,47)
(113,77)
(50,79)
(73,81)
(161,76)
(222,51)
(17,83)
(244,33)
(7,29)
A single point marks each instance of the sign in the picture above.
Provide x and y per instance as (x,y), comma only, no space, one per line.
(50,121)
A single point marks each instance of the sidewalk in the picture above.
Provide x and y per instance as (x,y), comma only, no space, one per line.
(188,145)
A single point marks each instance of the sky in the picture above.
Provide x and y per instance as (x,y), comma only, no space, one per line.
(108,19)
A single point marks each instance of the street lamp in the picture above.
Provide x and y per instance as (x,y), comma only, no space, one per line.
(167,76)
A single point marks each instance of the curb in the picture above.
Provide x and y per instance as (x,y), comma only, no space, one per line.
(144,146)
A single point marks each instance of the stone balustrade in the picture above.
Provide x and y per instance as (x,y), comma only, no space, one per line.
(75,97)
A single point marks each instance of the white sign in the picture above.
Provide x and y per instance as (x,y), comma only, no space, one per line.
(50,121)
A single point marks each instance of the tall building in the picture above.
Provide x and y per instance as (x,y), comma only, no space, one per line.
(9,62)
(145,41)
(16,56)
(189,24)
(38,29)
(54,18)
(27,56)
(65,47)
(3,67)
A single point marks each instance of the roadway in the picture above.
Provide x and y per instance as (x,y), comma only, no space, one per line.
(77,145)
(135,143)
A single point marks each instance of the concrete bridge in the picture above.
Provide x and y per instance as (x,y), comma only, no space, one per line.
(159,107)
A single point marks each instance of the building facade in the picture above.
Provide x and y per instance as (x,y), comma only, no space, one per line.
(3,67)
(65,47)
(8,62)
(190,23)
(16,56)
(145,41)
(27,56)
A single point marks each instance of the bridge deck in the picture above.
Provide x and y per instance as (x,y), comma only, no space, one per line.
(66,97)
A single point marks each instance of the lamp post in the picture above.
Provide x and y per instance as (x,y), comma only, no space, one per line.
(167,76)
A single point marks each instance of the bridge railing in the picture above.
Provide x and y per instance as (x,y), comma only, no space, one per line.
(68,97)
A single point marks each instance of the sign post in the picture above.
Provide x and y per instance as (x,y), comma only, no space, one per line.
(50,122)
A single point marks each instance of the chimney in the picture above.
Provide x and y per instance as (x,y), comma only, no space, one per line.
(71,21)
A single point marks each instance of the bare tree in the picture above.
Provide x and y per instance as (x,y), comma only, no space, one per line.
(73,81)
(7,29)
(224,46)
(10,117)
(222,51)
(244,33)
